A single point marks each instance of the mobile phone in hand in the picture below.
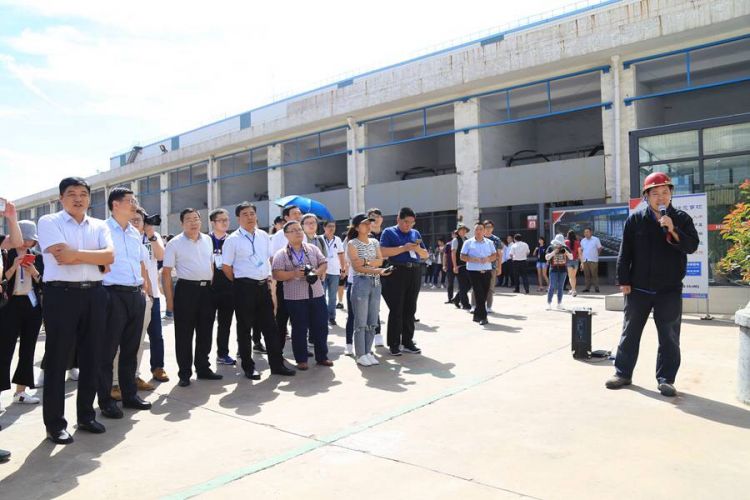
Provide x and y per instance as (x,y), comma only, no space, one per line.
(28,259)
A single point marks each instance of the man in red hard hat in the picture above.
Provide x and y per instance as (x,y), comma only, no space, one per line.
(650,267)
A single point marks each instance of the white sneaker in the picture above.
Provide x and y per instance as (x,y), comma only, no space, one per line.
(373,359)
(349,350)
(549,306)
(364,360)
(39,382)
(73,373)
(25,398)
(560,307)
(378,342)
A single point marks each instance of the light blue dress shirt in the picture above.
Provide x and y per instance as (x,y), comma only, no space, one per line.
(478,249)
(129,253)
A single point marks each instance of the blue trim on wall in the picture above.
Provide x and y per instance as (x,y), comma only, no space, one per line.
(175,143)
(629,62)
(245,120)
(629,100)
(479,41)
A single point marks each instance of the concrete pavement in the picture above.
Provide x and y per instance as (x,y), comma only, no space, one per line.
(496,412)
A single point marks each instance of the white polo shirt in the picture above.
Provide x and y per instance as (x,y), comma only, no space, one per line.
(129,253)
(335,248)
(60,227)
(190,259)
(590,249)
(248,254)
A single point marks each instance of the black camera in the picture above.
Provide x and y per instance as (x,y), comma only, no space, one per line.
(152,220)
(310,275)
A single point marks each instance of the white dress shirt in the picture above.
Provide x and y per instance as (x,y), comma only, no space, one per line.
(335,248)
(60,227)
(129,253)
(192,260)
(590,248)
(278,241)
(248,254)
(519,250)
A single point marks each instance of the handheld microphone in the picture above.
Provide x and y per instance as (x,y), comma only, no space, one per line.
(663,212)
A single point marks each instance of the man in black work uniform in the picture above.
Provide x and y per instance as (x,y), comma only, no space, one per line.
(461,300)
(221,287)
(650,269)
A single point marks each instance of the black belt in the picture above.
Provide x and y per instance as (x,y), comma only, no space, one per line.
(194,282)
(252,281)
(123,288)
(408,265)
(82,285)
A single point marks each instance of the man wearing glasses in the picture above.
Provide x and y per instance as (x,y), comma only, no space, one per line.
(221,288)
(127,285)
(402,246)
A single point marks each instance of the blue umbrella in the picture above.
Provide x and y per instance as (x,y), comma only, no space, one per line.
(306,205)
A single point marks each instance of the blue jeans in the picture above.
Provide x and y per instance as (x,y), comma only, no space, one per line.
(349,314)
(366,298)
(330,287)
(155,339)
(308,314)
(556,283)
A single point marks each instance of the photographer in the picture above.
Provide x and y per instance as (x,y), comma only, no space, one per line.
(301,267)
(558,256)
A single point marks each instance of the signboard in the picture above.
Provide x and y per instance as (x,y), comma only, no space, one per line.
(531,221)
(606,223)
(696,206)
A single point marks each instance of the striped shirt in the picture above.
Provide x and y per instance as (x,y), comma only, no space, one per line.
(367,251)
(298,288)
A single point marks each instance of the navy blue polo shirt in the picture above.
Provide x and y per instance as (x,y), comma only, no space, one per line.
(394,237)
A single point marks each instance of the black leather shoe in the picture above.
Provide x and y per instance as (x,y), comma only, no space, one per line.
(284,371)
(4,455)
(136,403)
(60,437)
(483,322)
(184,382)
(209,375)
(253,375)
(93,427)
(111,411)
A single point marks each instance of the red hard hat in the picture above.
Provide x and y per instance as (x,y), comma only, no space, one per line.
(656,179)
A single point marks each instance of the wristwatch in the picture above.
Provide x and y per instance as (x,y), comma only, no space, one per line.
(153,238)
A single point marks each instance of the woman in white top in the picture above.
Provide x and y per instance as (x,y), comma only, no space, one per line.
(364,254)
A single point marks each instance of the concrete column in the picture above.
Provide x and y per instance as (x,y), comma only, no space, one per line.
(212,172)
(617,122)
(275,182)
(164,203)
(742,319)
(356,171)
(468,158)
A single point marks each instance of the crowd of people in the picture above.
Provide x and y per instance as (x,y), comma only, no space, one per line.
(96,285)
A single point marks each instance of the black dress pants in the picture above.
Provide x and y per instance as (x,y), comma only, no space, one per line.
(125,314)
(193,314)
(19,320)
(667,308)
(223,304)
(464,286)
(400,291)
(480,282)
(254,311)
(282,315)
(73,317)
(519,275)
(507,278)
(450,278)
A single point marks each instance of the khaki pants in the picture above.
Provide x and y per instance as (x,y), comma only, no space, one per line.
(116,362)
(591,274)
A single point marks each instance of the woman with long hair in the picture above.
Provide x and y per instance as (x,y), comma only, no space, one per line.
(366,258)
(574,246)
(541,264)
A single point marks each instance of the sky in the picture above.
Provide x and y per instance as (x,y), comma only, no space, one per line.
(81,81)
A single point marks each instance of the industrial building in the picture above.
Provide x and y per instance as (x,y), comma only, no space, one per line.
(569,111)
